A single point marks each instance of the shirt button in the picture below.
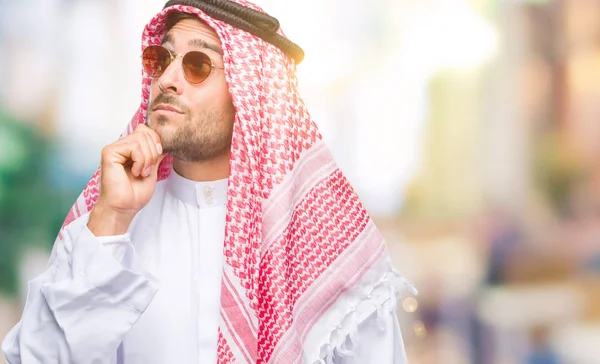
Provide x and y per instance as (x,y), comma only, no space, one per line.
(208,195)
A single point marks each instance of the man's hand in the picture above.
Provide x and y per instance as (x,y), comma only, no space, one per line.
(128,175)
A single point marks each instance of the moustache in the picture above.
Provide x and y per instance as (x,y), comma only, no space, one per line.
(168,99)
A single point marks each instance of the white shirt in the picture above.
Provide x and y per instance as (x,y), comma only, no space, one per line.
(150,296)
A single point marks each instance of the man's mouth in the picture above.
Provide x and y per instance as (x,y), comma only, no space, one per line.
(169,108)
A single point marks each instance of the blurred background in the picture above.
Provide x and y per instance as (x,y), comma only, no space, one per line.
(469,128)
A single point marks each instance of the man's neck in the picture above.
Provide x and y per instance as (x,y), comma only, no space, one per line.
(212,170)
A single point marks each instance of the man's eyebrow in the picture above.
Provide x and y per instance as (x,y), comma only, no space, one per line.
(195,43)
(200,43)
(167,39)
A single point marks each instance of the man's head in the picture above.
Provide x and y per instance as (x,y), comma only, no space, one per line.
(193,120)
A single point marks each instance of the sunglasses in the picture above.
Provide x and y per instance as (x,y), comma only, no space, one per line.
(196,65)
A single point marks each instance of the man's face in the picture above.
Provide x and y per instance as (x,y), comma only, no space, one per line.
(201,127)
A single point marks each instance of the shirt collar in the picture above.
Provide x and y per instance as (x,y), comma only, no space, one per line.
(201,194)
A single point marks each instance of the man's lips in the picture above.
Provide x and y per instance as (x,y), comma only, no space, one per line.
(164,107)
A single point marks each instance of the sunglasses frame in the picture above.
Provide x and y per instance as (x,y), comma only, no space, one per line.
(174,55)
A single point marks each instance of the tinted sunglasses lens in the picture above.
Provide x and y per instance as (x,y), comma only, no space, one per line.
(155,60)
(196,66)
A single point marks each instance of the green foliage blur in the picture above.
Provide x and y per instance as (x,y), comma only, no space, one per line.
(31,207)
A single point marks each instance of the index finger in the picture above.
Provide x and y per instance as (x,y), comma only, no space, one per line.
(145,129)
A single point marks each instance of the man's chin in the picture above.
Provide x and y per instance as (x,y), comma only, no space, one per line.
(163,127)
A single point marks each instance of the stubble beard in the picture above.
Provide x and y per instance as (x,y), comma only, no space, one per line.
(202,137)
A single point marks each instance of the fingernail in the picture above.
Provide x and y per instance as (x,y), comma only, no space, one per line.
(147,172)
(159,148)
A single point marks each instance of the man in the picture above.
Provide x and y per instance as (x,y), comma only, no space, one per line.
(223,231)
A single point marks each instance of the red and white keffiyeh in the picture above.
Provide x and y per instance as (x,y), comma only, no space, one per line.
(304,262)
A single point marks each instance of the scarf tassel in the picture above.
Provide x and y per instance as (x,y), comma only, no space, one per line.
(346,340)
